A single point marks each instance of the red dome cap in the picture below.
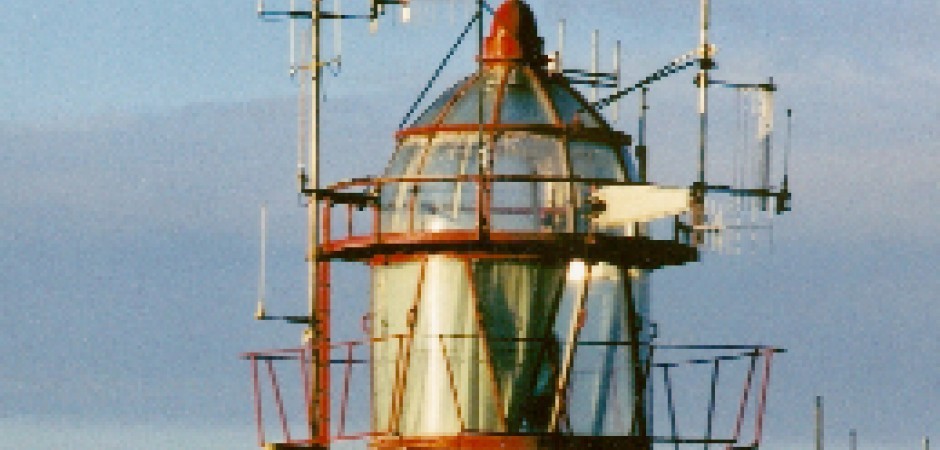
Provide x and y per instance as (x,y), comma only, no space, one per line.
(513,35)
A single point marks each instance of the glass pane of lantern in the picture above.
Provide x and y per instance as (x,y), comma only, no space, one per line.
(403,161)
(466,108)
(443,205)
(594,160)
(567,103)
(432,114)
(527,205)
(521,104)
(518,302)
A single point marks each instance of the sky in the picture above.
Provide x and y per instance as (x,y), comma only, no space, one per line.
(138,140)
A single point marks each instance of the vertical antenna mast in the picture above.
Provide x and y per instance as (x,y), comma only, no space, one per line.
(483,154)
(260,311)
(641,152)
(615,114)
(786,152)
(819,422)
(705,64)
(318,421)
(595,68)
(290,32)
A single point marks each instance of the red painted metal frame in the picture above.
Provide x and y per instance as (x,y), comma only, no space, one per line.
(754,353)
(762,405)
(622,250)
(277,399)
(391,439)
(742,408)
(321,347)
(404,355)
(380,246)
(269,357)
(495,441)
(500,69)
(453,383)
(256,385)
(307,381)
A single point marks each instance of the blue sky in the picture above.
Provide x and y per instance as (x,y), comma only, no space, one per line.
(137,140)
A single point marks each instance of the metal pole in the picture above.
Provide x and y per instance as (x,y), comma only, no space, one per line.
(317,422)
(561,44)
(853,439)
(260,313)
(641,136)
(704,65)
(595,68)
(819,422)
(711,402)
(786,152)
(926,442)
(616,112)
(482,156)
(671,407)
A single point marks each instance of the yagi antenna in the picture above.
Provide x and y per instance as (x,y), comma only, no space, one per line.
(260,313)
(293,51)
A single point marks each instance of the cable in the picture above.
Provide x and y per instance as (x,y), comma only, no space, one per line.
(681,63)
(437,72)
(440,67)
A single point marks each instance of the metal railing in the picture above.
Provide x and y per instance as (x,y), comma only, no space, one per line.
(758,359)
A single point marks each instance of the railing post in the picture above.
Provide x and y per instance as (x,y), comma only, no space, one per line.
(762,405)
(377,215)
(326,225)
(257,391)
(344,403)
(349,220)
(276,388)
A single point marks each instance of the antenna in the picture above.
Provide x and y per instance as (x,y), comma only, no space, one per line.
(786,150)
(764,132)
(592,77)
(561,44)
(615,114)
(819,422)
(595,37)
(293,53)
(260,311)
(309,181)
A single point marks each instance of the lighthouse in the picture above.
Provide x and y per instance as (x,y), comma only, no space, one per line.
(503,314)
(509,241)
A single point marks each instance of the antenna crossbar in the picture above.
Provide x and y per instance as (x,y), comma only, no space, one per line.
(438,71)
(677,65)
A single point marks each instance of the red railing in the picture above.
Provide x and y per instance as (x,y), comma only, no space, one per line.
(356,224)
(302,356)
